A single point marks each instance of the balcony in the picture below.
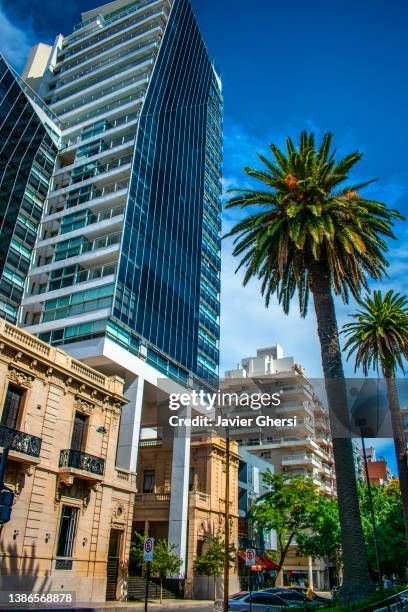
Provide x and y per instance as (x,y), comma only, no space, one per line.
(99,95)
(295,407)
(74,463)
(199,500)
(145,48)
(89,173)
(109,111)
(152,506)
(22,446)
(300,459)
(111,38)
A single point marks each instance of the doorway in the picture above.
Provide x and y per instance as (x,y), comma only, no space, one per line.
(112,571)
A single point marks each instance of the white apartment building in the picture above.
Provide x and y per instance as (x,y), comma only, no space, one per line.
(302,449)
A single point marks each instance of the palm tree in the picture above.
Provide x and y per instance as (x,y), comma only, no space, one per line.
(379,337)
(311,234)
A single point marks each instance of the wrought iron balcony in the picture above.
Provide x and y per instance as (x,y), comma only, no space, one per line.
(19,441)
(82,461)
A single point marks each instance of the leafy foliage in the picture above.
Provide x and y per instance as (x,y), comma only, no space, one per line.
(324,537)
(308,216)
(164,563)
(136,550)
(211,562)
(287,507)
(379,333)
(390,527)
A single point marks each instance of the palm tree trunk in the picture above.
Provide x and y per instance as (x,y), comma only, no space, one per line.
(399,440)
(357,581)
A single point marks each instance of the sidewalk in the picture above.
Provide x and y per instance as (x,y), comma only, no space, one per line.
(118,606)
(167,603)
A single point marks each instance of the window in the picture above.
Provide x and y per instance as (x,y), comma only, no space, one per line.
(12,406)
(267,600)
(294,597)
(199,551)
(78,439)
(69,517)
(148,481)
(191,479)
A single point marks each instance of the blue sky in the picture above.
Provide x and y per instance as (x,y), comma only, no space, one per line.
(338,66)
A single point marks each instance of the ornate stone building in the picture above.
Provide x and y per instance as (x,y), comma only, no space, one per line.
(71,520)
(206,508)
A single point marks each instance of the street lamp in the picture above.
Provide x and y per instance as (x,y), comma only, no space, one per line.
(362,423)
(226,536)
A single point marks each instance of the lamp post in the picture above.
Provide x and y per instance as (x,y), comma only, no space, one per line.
(361,423)
(226,536)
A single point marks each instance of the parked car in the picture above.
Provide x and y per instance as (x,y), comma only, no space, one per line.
(260,601)
(293,595)
(316,597)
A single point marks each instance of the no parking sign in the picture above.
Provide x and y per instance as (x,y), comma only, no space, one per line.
(148,548)
(250,556)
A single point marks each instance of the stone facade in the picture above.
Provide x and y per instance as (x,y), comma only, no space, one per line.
(71,520)
(206,513)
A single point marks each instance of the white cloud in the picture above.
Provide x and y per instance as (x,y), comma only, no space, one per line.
(16,40)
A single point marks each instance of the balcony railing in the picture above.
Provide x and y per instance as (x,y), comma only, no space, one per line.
(95,40)
(81,197)
(106,62)
(89,171)
(92,150)
(20,441)
(151,499)
(80,118)
(80,276)
(122,39)
(85,247)
(109,125)
(87,99)
(82,461)
(103,215)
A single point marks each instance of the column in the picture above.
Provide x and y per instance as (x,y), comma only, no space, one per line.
(180,470)
(129,431)
(310,572)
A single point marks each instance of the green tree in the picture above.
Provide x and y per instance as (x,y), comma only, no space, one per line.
(311,233)
(287,507)
(164,563)
(211,561)
(324,537)
(378,336)
(389,520)
(136,551)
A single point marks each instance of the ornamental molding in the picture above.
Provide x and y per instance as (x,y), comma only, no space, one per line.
(20,377)
(84,405)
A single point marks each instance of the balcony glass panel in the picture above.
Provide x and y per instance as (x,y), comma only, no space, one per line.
(85,218)
(103,92)
(77,246)
(108,33)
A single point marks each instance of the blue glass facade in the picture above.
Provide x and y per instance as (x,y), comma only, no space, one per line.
(168,278)
(27,157)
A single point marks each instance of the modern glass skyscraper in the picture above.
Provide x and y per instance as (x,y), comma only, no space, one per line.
(129,242)
(27,158)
